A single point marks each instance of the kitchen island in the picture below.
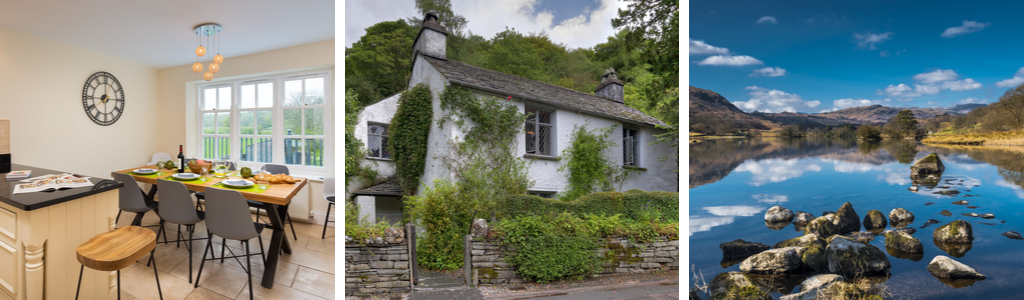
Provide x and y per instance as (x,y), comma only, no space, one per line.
(39,233)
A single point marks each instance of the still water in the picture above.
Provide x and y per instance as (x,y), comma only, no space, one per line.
(734,181)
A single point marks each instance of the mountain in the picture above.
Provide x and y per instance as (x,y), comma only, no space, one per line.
(874,114)
(966,108)
(710,113)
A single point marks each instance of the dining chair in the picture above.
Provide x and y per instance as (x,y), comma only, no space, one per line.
(176,207)
(159,157)
(201,197)
(131,198)
(274,169)
(230,219)
(116,250)
(329,195)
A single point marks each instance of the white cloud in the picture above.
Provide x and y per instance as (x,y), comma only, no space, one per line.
(734,210)
(868,40)
(772,199)
(893,178)
(849,167)
(850,102)
(700,47)
(968,27)
(1017,79)
(769,72)
(766,20)
(773,101)
(932,103)
(898,91)
(729,60)
(972,101)
(776,170)
(961,85)
(936,76)
(929,89)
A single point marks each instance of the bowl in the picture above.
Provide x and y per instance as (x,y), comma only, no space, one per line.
(196,167)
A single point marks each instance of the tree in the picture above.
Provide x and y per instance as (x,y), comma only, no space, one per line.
(379,64)
(904,124)
(869,133)
(1012,104)
(451,21)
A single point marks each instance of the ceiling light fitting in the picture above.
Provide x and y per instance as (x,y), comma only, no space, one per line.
(211,32)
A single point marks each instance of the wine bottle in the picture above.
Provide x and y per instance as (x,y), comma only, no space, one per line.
(181,157)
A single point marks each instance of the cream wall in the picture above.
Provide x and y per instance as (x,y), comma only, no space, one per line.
(41,80)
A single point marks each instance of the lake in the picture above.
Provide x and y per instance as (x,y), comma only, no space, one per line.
(734,181)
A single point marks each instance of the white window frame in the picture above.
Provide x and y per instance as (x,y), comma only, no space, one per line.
(637,143)
(255,110)
(387,134)
(552,147)
(278,120)
(216,112)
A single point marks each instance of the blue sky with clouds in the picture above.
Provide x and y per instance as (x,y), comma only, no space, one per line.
(815,56)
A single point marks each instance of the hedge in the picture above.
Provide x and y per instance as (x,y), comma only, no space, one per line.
(630,204)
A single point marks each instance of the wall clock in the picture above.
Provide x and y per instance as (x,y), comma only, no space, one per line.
(103,98)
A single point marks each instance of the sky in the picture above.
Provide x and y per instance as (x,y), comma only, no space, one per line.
(819,56)
(577,23)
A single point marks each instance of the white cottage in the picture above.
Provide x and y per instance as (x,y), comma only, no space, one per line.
(559,111)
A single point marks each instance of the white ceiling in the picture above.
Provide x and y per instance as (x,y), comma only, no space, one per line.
(158,33)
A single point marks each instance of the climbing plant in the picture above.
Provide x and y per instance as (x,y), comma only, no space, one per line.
(589,169)
(354,150)
(409,131)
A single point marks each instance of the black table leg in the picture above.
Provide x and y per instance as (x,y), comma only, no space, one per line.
(152,193)
(277,243)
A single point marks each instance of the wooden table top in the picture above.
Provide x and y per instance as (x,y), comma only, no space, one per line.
(278,193)
(114,250)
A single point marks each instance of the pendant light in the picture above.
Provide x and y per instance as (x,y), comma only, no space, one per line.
(207,30)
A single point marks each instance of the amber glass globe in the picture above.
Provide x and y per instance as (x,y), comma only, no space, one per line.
(214,67)
(218,59)
(200,51)
(197,67)
(208,75)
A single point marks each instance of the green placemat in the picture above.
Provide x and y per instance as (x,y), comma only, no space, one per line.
(154,175)
(251,189)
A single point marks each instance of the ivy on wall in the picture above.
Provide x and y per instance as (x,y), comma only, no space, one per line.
(409,131)
(589,169)
(354,150)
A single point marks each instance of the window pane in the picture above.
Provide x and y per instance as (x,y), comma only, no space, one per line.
(248,96)
(293,122)
(531,139)
(293,93)
(209,99)
(544,140)
(223,148)
(245,121)
(264,122)
(544,117)
(292,151)
(209,147)
(315,91)
(246,148)
(224,123)
(266,95)
(315,152)
(224,98)
(208,123)
(315,121)
(264,149)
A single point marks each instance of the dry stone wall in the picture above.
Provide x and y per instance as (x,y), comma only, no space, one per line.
(377,268)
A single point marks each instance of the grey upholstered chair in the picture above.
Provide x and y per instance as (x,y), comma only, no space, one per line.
(230,219)
(176,207)
(329,195)
(274,169)
(131,199)
(201,197)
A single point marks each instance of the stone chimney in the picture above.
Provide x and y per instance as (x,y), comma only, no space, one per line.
(610,87)
(432,38)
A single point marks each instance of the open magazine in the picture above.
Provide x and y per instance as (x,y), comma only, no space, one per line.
(55,182)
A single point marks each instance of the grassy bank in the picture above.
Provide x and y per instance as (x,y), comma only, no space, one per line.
(1006,138)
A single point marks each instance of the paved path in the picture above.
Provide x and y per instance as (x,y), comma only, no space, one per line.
(652,290)
(438,286)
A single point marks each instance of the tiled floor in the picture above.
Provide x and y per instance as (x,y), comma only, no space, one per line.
(306,273)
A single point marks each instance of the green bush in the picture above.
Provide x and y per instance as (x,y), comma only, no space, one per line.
(361,230)
(589,169)
(550,247)
(633,204)
(445,213)
(409,131)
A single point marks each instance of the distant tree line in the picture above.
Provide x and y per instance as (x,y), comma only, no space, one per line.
(1005,115)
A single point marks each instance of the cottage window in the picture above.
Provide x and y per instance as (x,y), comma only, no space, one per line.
(538,132)
(630,147)
(542,194)
(377,140)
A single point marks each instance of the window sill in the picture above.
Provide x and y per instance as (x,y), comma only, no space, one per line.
(634,168)
(378,158)
(542,157)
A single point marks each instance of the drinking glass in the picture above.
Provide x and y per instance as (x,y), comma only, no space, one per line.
(263,182)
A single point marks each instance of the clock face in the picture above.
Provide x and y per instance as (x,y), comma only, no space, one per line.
(103,98)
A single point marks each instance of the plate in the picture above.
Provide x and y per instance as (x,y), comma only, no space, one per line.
(144,171)
(185,176)
(237,183)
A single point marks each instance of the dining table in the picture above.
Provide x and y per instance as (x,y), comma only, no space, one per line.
(275,199)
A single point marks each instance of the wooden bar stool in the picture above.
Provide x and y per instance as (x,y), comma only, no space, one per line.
(116,250)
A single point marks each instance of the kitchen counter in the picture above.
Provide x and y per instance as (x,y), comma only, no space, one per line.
(37,200)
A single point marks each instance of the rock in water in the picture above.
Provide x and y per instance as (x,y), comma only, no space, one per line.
(945,213)
(930,222)
(874,220)
(929,165)
(847,219)
(741,249)
(852,258)
(988,216)
(778,214)
(734,285)
(903,241)
(822,226)
(961,202)
(803,217)
(908,230)
(944,267)
(802,241)
(814,258)
(774,261)
(809,289)
(1013,235)
(900,217)
(956,232)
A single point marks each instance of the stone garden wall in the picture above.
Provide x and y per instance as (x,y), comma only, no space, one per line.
(377,268)
(620,255)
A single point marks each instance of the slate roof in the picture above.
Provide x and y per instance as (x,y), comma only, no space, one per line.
(537,91)
(387,188)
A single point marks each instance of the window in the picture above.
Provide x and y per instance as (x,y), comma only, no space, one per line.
(630,147)
(285,119)
(377,140)
(538,132)
(541,194)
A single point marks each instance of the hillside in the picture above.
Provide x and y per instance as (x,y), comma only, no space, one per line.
(875,114)
(710,113)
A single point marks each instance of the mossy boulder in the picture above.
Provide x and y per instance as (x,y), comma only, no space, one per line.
(741,249)
(801,241)
(809,288)
(874,220)
(734,286)
(945,213)
(777,214)
(851,258)
(944,267)
(814,258)
(956,232)
(929,165)
(904,242)
(900,217)
(774,261)
(847,219)
(954,249)
(822,226)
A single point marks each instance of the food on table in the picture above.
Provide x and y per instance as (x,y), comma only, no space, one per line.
(246,172)
(275,179)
